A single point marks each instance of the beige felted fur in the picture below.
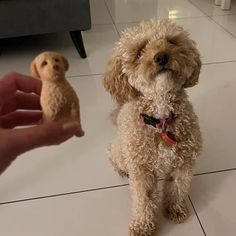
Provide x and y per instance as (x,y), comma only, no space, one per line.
(142,80)
(58,99)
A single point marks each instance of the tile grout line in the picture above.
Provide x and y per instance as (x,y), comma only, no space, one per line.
(217,62)
(191,1)
(224,28)
(73,76)
(117,31)
(64,194)
(101,188)
(215,172)
(230,14)
(197,216)
(211,18)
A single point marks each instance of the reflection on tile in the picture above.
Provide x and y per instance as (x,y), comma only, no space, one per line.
(18,56)
(100,213)
(123,11)
(214,199)
(209,7)
(173,9)
(78,164)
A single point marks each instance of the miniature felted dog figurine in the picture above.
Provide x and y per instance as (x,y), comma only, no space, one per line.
(58,99)
(158,131)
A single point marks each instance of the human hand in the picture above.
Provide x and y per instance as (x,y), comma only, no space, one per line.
(20,106)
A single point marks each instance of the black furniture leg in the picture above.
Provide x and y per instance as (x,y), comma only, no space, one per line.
(77,39)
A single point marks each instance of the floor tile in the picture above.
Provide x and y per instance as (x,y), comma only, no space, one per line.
(99,43)
(209,7)
(17,56)
(100,213)
(215,45)
(214,199)
(99,12)
(173,9)
(214,101)
(75,165)
(228,22)
(134,11)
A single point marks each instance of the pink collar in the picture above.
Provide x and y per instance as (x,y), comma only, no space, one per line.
(162,124)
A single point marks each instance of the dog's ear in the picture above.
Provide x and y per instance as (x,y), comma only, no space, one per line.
(34,70)
(66,63)
(196,64)
(116,81)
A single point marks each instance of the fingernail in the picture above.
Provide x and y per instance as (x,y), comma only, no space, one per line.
(71,126)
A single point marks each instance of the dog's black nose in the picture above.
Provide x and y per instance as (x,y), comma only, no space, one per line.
(161,58)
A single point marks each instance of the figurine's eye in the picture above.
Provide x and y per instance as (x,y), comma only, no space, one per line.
(56,60)
(44,63)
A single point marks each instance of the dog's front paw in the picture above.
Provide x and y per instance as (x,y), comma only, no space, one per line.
(141,229)
(177,212)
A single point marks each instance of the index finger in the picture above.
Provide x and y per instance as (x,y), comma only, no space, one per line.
(12,82)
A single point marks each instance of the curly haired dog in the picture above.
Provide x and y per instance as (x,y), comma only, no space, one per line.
(158,131)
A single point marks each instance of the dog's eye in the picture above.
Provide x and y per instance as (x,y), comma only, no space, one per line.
(140,53)
(173,41)
(44,63)
(56,60)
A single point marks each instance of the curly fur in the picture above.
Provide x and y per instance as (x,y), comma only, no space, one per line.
(140,85)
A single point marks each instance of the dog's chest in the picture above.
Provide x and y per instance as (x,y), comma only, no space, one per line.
(56,101)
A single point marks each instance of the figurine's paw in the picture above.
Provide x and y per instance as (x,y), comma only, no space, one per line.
(177,212)
(79,133)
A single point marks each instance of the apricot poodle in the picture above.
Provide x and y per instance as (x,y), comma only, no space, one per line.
(158,132)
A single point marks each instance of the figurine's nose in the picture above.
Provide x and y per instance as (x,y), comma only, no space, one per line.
(55,67)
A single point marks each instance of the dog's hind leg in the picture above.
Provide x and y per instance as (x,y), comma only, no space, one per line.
(117,160)
(176,190)
(144,193)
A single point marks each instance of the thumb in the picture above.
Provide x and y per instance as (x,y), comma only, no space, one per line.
(21,140)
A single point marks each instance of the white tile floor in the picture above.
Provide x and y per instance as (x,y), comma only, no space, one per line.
(72,189)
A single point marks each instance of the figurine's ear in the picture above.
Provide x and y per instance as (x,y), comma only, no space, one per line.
(33,69)
(66,63)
